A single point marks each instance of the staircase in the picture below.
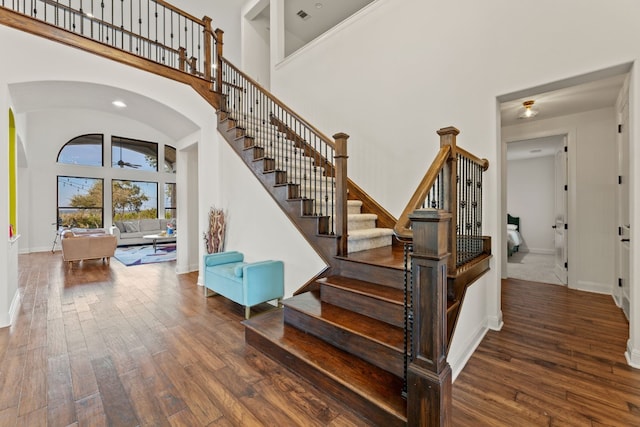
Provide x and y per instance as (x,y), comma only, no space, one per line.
(347,330)
(344,331)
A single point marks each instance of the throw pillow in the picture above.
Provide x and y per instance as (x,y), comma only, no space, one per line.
(131,227)
(237,271)
(120,226)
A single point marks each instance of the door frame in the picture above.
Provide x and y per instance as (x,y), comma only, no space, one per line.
(571,194)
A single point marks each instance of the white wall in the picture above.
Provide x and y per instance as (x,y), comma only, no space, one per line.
(592,188)
(257,226)
(530,196)
(395,74)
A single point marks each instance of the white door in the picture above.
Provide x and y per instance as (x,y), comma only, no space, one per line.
(560,205)
(623,250)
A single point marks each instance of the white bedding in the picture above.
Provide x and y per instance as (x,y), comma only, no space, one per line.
(513,238)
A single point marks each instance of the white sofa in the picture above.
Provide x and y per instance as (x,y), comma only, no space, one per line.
(130,232)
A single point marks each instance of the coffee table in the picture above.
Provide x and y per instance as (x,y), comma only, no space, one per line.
(156,237)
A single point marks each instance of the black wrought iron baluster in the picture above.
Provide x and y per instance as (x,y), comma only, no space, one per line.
(408,313)
(332,191)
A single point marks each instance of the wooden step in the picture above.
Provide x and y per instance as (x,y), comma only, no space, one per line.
(375,341)
(372,392)
(371,299)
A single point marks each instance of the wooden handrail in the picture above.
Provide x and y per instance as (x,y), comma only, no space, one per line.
(182,12)
(402,229)
(484,163)
(282,105)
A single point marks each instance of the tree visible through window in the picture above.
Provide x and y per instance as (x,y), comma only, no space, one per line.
(170,201)
(80,202)
(134,199)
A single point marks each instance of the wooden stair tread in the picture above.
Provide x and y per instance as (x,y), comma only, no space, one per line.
(362,378)
(376,330)
(388,256)
(381,292)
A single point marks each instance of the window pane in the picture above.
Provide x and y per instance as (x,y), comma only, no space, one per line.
(80,202)
(170,201)
(133,154)
(83,150)
(169,159)
(134,199)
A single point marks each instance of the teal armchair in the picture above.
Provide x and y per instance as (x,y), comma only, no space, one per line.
(247,284)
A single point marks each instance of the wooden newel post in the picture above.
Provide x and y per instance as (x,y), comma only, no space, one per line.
(429,374)
(340,158)
(448,137)
(219,44)
(207,36)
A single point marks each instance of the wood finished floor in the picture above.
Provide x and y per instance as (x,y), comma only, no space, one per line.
(126,346)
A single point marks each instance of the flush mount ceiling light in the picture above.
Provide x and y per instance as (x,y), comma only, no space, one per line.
(528,111)
(119,104)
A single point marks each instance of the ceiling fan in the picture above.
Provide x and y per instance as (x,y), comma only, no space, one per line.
(122,163)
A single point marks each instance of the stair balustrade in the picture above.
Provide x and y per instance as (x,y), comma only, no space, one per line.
(314,164)
(151,29)
(445,251)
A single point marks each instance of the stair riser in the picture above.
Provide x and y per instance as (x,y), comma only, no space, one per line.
(357,224)
(371,351)
(318,379)
(362,304)
(382,275)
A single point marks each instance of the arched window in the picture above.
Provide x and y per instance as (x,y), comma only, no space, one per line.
(127,153)
(83,150)
(169,159)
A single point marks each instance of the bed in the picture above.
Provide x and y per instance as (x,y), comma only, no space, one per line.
(514,238)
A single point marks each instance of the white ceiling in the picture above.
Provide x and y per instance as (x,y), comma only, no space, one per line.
(49,95)
(319,19)
(579,98)
(531,148)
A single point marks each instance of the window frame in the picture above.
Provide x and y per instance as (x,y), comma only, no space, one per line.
(59,207)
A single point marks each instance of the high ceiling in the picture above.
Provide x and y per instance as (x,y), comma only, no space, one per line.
(49,95)
(321,15)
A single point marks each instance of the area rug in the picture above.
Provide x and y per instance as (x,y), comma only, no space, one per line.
(138,255)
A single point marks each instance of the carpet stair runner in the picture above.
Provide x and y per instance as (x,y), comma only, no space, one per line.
(280,154)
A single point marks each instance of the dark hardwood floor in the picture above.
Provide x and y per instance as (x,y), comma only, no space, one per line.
(124,346)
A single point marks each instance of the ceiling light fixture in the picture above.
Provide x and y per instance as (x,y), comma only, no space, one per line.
(318,5)
(528,111)
(119,104)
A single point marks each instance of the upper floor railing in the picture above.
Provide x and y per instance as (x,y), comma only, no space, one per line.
(151,29)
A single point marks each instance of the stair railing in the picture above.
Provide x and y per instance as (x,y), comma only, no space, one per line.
(151,29)
(452,183)
(441,228)
(316,166)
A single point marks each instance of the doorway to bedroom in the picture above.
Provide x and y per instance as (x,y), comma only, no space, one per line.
(584,110)
(536,209)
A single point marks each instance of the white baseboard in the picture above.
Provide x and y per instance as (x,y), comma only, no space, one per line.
(15,305)
(495,323)
(470,346)
(598,288)
(200,281)
(6,319)
(632,355)
(541,251)
(182,269)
